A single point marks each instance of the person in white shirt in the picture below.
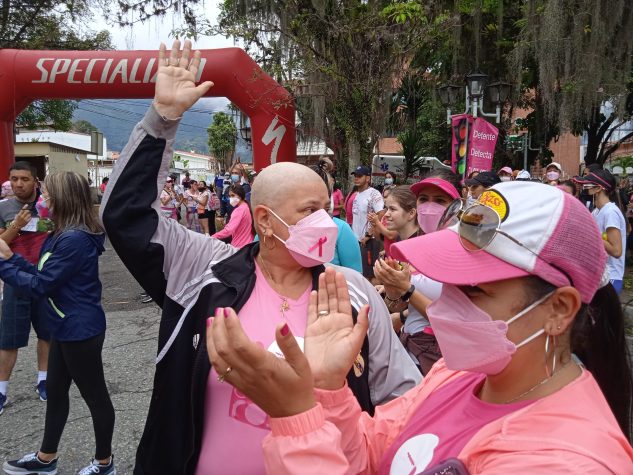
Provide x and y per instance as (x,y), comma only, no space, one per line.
(600,186)
(368,200)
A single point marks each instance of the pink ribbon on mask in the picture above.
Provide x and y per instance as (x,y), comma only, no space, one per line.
(319,243)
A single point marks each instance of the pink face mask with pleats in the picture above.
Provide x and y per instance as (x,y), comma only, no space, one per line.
(469,338)
(312,241)
(429,215)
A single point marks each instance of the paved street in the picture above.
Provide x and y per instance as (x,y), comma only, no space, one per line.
(128,354)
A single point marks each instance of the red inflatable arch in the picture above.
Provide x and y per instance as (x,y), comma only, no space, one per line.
(29,75)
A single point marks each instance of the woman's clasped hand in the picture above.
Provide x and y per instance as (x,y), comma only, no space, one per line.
(284,387)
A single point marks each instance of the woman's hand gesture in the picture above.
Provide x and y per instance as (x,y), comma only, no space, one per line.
(332,340)
(394,276)
(176,89)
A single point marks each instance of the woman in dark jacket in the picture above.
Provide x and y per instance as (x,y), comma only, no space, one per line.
(67,278)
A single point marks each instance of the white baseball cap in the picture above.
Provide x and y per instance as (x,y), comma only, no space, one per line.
(537,230)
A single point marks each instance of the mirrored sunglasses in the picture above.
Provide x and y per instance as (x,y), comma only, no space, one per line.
(478,227)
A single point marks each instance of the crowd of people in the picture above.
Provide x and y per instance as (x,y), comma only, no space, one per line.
(443,327)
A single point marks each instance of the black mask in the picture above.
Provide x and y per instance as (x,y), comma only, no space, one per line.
(201,188)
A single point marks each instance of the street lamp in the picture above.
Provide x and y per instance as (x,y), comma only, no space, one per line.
(449,95)
(499,92)
(476,83)
(245,132)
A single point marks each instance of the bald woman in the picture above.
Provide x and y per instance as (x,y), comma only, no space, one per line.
(197,424)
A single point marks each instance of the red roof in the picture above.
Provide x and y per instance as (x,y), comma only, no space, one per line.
(388,146)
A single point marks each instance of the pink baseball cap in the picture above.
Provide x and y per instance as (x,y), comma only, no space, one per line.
(443,185)
(507,170)
(562,242)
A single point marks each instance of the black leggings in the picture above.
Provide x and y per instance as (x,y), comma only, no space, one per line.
(78,361)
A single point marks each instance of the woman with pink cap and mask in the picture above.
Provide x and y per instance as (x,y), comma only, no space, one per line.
(535,376)
(407,294)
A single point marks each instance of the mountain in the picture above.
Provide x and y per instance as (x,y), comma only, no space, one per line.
(116,118)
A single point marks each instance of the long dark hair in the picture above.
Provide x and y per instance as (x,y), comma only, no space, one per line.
(598,338)
(321,170)
(238,190)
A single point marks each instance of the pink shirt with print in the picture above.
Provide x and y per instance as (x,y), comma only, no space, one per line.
(234,427)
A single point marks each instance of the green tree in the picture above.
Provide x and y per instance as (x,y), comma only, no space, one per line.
(222,137)
(47,24)
(83,126)
(341,58)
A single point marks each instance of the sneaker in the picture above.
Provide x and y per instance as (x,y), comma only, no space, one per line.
(143,295)
(3,401)
(96,468)
(30,464)
(147,299)
(40,389)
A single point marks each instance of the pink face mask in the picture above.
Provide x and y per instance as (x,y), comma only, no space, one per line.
(429,214)
(469,338)
(551,176)
(312,240)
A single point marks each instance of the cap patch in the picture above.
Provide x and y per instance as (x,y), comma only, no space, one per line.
(495,200)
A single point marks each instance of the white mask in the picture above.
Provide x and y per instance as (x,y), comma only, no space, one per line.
(233,201)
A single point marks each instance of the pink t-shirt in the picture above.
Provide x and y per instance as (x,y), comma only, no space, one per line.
(337,199)
(442,426)
(234,427)
(349,205)
(239,227)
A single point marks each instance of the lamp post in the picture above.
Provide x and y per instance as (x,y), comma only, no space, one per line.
(499,93)
(245,133)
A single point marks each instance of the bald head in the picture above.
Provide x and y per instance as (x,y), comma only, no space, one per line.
(279,182)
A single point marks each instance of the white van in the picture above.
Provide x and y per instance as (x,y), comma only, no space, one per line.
(381,164)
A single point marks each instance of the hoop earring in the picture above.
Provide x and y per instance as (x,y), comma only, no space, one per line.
(269,248)
(554,359)
(546,352)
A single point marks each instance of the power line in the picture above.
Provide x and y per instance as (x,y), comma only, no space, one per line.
(127,112)
(136,104)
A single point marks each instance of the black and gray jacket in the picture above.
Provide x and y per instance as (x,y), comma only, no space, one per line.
(189,275)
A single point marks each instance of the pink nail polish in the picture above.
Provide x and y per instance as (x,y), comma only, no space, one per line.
(218,312)
(227,313)
(284,330)
(209,321)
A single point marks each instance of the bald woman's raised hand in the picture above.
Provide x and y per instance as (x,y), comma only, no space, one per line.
(176,89)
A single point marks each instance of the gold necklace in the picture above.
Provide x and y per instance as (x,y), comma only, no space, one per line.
(284,301)
(539,384)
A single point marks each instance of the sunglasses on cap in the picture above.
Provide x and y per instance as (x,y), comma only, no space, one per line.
(478,225)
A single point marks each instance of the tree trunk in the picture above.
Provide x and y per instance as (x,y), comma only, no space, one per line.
(353,159)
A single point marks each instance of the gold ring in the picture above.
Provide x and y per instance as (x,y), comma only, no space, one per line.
(323,313)
(222,377)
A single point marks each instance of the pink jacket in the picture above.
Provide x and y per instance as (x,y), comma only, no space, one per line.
(240,227)
(571,431)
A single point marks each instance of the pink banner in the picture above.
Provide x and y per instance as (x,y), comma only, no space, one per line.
(481,146)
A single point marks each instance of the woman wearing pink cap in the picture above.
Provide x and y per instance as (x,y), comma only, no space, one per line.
(535,375)
(505,174)
(407,294)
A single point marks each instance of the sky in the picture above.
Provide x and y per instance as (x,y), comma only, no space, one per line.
(150,34)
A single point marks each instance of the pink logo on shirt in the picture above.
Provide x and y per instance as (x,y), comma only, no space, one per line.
(244,410)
